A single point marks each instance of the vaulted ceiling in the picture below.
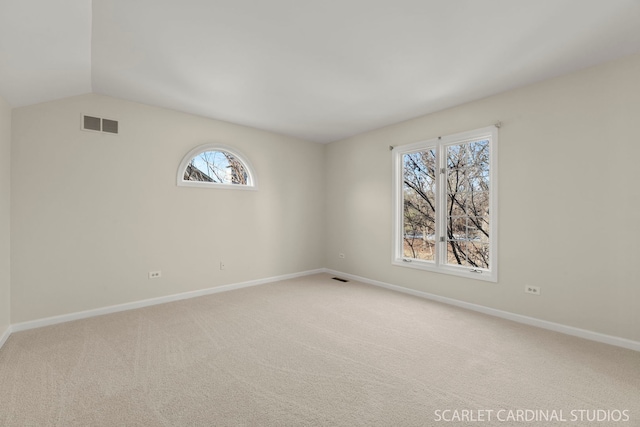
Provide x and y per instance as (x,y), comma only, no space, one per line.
(320,70)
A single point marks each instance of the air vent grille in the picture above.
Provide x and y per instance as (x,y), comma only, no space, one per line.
(91,123)
(97,124)
(110,126)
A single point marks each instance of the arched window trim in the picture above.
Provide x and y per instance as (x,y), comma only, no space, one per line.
(251,180)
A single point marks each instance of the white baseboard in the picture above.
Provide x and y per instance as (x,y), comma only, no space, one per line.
(5,336)
(32,324)
(532,321)
(569,330)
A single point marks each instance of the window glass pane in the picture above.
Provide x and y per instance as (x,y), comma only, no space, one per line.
(478,229)
(468,253)
(457,253)
(419,200)
(478,254)
(217,167)
(468,200)
(474,203)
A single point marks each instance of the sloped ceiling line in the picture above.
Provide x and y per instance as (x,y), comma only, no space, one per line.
(316,70)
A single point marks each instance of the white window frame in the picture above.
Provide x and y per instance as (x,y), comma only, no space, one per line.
(251,179)
(439,263)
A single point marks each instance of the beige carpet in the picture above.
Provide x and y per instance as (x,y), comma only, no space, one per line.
(310,352)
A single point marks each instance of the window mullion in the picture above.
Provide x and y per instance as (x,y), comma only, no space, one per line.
(441,205)
(399,208)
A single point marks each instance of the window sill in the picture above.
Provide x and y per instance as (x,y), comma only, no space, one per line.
(485,275)
(216,185)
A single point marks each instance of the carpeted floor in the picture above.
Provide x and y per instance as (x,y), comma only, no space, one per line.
(311,352)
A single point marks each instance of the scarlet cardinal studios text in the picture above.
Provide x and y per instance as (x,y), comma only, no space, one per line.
(532,415)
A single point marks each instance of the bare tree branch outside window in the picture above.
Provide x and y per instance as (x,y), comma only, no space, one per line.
(218,167)
(467,197)
(419,204)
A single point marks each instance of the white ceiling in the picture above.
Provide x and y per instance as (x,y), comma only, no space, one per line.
(320,70)
(45,50)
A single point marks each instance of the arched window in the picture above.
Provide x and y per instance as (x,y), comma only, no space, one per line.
(215,166)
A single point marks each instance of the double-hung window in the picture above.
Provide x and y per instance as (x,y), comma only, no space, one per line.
(445,204)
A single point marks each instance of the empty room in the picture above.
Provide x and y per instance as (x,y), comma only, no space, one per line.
(319,213)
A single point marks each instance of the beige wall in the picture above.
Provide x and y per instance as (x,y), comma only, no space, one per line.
(92,213)
(5,201)
(569,200)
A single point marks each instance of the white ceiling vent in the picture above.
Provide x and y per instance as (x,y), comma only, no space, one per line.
(97,124)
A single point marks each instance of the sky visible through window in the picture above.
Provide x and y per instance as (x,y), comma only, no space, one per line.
(216,167)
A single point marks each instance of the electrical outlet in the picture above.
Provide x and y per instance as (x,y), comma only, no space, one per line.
(155,274)
(341,255)
(222,265)
(533,290)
